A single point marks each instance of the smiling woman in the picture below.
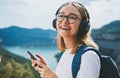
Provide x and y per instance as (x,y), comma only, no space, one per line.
(72,23)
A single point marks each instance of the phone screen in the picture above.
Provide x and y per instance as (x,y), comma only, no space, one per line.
(31,55)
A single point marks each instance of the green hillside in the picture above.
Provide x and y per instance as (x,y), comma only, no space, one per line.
(14,66)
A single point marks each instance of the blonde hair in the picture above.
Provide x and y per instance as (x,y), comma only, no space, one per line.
(86,40)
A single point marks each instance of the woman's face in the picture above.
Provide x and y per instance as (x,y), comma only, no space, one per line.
(68,27)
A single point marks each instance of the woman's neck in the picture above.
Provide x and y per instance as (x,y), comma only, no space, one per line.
(69,43)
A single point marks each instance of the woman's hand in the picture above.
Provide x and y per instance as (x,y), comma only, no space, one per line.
(42,67)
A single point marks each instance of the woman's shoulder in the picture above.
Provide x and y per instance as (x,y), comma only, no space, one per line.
(91,55)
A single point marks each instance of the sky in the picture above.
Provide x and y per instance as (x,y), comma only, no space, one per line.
(40,13)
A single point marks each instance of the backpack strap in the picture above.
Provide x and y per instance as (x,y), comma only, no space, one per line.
(95,50)
(77,61)
(58,55)
(77,58)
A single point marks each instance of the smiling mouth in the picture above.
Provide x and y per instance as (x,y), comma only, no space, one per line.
(65,28)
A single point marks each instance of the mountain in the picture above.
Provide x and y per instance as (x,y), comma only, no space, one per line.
(16,36)
(110,32)
(111,28)
(108,36)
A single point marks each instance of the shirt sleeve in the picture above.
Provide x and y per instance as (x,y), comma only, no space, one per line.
(90,65)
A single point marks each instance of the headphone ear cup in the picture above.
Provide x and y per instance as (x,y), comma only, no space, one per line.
(83,29)
(54,23)
(85,26)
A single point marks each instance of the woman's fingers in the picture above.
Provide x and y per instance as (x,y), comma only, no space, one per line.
(38,63)
(41,59)
(34,63)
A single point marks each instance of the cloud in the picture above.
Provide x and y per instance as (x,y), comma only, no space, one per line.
(103,12)
(40,13)
(29,13)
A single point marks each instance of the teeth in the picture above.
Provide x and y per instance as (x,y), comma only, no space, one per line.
(66,28)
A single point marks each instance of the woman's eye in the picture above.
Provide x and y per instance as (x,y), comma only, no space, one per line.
(72,17)
(61,16)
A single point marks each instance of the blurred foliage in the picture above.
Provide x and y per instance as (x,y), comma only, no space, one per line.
(13,66)
(13,69)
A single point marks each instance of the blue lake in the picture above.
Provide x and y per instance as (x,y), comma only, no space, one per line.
(46,52)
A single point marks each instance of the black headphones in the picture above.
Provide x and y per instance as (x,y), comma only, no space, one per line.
(84,25)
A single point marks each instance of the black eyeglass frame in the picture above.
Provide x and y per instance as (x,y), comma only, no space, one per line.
(69,19)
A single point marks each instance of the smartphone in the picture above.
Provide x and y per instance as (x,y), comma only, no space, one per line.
(31,55)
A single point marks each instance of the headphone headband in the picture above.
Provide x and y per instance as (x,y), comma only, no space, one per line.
(76,5)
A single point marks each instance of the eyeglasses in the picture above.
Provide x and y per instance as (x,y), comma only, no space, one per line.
(70,18)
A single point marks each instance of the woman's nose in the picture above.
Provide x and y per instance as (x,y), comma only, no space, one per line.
(65,21)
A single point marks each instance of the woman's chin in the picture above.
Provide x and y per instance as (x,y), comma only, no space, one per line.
(65,34)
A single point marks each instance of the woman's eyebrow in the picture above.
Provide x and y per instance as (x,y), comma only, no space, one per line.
(69,13)
(61,12)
